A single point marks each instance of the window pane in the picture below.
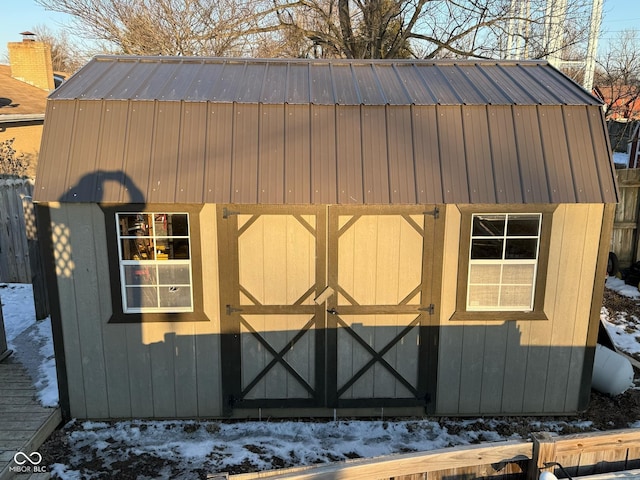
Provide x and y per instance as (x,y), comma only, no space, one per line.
(516,297)
(486,249)
(137,248)
(138,224)
(523,225)
(488,225)
(483,295)
(520,248)
(179,226)
(142,297)
(160,223)
(129,250)
(484,274)
(180,249)
(173,274)
(140,275)
(175,297)
(172,249)
(518,274)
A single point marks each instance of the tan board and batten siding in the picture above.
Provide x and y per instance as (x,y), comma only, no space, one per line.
(273,133)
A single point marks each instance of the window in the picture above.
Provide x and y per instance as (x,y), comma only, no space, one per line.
(503,263)
(154,254)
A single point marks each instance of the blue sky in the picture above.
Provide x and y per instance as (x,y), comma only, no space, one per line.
(21,15)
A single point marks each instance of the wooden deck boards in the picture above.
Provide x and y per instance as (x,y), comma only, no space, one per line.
(24,423)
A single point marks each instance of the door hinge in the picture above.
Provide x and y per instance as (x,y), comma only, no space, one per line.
(231,310)
(435,212)
(226,213)
(429,309)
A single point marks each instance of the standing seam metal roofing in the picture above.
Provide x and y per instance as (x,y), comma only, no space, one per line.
(189,130)
(322,82)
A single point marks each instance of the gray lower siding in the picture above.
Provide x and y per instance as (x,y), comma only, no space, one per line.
(524,367)
(160,370)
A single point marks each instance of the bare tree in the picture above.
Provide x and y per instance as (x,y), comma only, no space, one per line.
(618,77)
(429,28)
(321,28)
(168,27)
(65,56)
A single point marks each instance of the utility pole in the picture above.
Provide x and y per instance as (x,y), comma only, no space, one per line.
(554,20)
(592,47)
(514,37)
(554,26)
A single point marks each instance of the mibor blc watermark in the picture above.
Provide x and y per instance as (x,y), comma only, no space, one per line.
(27,463)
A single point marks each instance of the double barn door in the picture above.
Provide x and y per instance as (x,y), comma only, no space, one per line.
(326,306)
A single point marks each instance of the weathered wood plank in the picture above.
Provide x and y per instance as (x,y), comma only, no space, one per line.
(14,249)
(17,435)
(24,408)
(20,390)
(625,230)
(5,457)
(18,400)
(597,441)
(633,457)
(16,385)
(30,422)
(394,466)
(27,440)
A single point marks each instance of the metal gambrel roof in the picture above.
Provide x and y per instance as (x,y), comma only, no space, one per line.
(203,130)
(322,82)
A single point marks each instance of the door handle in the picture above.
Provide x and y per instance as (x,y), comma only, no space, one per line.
(332,311)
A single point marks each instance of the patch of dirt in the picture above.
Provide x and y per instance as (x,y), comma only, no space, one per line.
(603,413)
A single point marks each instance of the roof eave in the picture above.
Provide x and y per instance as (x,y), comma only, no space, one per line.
(25,118)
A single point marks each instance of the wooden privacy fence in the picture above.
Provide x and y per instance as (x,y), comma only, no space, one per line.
(20,260)
(581,454)
(14,249)
(624,241)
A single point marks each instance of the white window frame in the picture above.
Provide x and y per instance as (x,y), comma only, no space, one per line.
(155,263)
(503,261)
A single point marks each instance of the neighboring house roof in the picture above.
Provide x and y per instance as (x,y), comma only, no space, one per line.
(204,130)
(623,102)
(19,101)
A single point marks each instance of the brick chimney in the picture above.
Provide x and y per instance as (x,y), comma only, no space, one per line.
(30,62)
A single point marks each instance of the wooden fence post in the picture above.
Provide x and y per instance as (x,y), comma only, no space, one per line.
(544,450)
(38,279)
(626,227)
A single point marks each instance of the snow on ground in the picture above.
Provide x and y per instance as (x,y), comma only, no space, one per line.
(30,340)
(266,445)
(624,330)
(189,446)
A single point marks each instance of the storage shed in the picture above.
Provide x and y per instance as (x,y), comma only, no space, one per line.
(244,237)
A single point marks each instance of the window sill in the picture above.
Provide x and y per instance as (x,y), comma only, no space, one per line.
(497,316)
